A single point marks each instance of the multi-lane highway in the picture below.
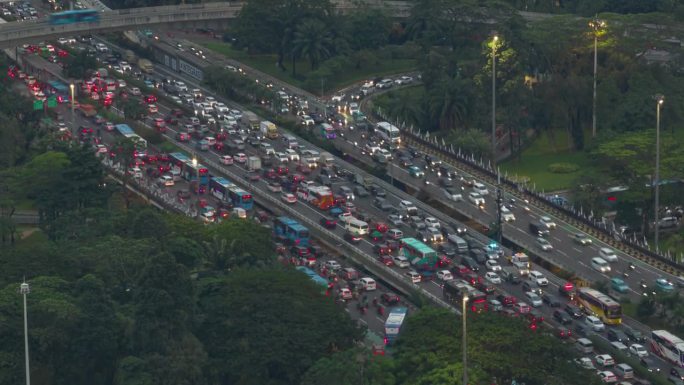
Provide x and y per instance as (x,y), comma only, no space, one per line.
(523,218)
(567,254)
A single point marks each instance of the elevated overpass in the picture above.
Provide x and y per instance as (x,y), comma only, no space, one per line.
(170,17)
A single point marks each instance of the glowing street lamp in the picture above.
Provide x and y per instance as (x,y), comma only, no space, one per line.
(660,99)
(464,343)
(495,40)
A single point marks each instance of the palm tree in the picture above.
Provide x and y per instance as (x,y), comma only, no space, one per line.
(312,40)
(450,104)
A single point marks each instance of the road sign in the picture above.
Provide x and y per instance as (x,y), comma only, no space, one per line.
(52,102)
(37,105)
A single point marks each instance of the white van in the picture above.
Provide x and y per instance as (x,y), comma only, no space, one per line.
(624,371)
(480,189)
(356,227)
(368,284)
(584,345)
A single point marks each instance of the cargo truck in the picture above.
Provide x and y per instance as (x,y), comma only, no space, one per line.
(253,163)
(251,119)
(146,66)
(522,262)
(268,129)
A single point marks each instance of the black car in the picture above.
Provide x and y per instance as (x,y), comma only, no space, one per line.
(677,373)
(550,300)
(405,162)
(446,171)
(562,317)
(447,250)
(360,191)
(445,182)
(538,230)
(479,255)
(650,364)
(617,335)
(533,287)
(470,263)
(633,334)
(328,223)
(377,191)
(352,238)
(574,311)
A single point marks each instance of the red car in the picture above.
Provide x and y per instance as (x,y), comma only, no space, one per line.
(381,227)
(150,99)
(304,169)
(296,178)
(270,174)
(282,170)
(386,260)
(328,223)
(382,249)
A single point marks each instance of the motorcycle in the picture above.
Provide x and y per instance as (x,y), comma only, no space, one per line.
(631,266)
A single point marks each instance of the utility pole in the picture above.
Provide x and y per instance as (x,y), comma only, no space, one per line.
(495,39)
(660,99)
(24,290)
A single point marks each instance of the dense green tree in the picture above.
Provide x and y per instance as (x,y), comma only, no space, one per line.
(313,41)
(77,66)
(352,366)
(268,326)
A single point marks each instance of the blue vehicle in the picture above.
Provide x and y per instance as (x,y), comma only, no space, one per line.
(75,16)
(619,285)
(240,197)
(219,187)
(315,277)
(291,232)
(393,324)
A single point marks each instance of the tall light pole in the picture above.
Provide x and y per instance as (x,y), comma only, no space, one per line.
(495,39)
(660,99)
(73,105)
(465,341)
(24,290)
(596,26)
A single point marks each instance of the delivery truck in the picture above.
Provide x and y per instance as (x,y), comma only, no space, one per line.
(269,130)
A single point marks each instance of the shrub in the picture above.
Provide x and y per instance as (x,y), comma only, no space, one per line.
(563,168)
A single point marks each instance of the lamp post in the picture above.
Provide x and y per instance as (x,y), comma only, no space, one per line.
(464,343)
(596,26)
(73,105)
(24,290)
(660,99)
(495,39)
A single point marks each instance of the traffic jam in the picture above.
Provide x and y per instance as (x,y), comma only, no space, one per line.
(438,255)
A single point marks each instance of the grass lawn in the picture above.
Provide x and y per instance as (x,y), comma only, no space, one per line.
(544,151)
(267,64)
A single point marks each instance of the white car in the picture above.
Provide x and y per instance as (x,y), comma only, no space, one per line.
(638,350)
(604,360)
(607,377)
(476,199)
(452,194)
(400,261)
(227,160)
(288,198)
(492,277)
(538,278)
(432,222)
(125,66)
(166,180)
(595,324)
(445,275)
(547,222)
(608,254)
(492,265)
(307,120)
(409,207)
(403,80)
(240,157)
(333,265)
(135,91)
(534,299)
(292,155)
(600,265)
(384,83)
(544,244)
(507,215)
(282,157)
(354,108)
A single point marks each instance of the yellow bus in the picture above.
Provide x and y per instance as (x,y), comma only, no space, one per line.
(600,305)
